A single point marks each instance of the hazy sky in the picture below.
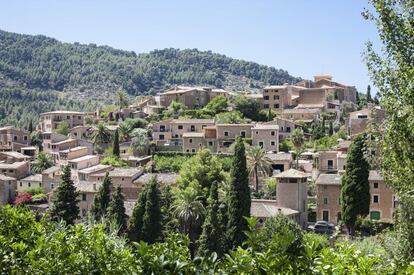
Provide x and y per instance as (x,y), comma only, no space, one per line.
(304,37)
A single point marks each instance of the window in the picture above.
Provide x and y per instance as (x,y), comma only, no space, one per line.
(243,134)
(272,143)
(210,143)
(68,117)
(261,144)
(21,184)
(52,185)
(266,97)
(190,140)
(266,106)
(192,128)
(84,197)
(188,150)
(24,137)
(375,199)
(288,129)
(193,150)
(330,164)
(29,184)
(325,215)
(161,137)
(375,185)
(276,97)
(226,134)
(180,127)
(272,133)
(79,117)
(325,200)
(122,179)
(375,215)
(162,128)
(15,138)
(276,106)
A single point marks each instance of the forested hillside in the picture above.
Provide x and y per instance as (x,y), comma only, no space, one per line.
(42,62)
(36,70)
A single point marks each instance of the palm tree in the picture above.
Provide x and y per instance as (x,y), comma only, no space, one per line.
(298,141)
(257,163)
(189,210)
(121,99)
(42,162)
(140,142)
(101,134)
(125,131)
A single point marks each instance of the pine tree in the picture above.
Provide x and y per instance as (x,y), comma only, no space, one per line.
(331,131)
(239,197)
(115,146)
(355,196)
(369,97)
(30,127)
(116,210)
(65,202)
(135,224)
(102,199)
(211,237)
(151,220)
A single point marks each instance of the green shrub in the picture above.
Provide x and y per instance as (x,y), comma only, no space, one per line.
(115,162)
(33,190)
(39,198)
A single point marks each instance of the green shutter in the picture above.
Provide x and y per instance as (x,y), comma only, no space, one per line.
(375,215)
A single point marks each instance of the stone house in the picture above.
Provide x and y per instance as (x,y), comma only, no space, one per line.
(51,178)
(266,136)
(124,177)
(48,122)
(7,189)
(11,157)
(191,97)
(358,121)
(30,182)
(292,192)
(13,139)
(15,170)
(383,201)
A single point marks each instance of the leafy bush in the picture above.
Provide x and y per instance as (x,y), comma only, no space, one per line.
(115,162)
(39,198)
(33,190)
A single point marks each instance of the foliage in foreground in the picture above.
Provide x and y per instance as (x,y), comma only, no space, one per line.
(91,249)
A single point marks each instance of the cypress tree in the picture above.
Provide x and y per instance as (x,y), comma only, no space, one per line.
(269,114)
(355,196)
(369,97)
(115,145)
(151,220)
(323,126)
(239,201)
(211,236)
(65,202)
(135,224)
(30,127)
(331,131)
(102,199)
(116,210)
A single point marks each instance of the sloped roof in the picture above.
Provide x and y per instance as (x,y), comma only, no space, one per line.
(329,179)
(292,173)
(35,177)
(16,155)
(375,175)
(269,208)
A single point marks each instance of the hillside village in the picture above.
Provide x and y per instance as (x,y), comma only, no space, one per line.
(304,131)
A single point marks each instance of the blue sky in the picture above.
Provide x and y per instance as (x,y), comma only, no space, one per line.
(301,36)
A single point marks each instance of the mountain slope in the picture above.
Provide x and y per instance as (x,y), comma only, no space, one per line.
(42,62)
(39,74)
